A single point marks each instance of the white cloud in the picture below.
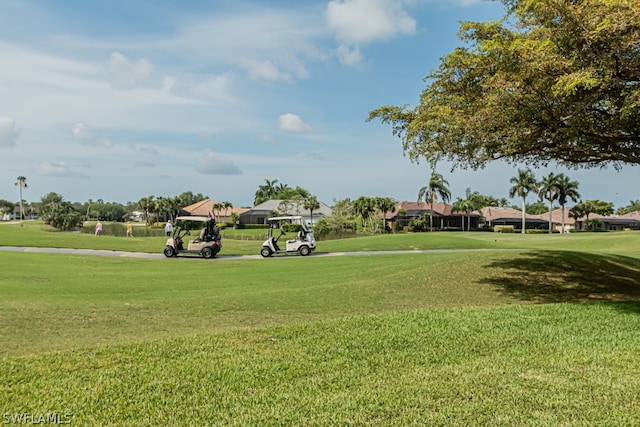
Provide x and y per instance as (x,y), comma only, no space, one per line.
(125,75)
(8,134)
(81,132)
(348,56)
(212,163)
(363,21)
(263,70)
(58,169)
(272,70)
(292,123)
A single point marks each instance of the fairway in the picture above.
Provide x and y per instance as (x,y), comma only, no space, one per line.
(387,339)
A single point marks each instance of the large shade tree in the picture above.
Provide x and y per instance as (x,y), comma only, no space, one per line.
(555,80)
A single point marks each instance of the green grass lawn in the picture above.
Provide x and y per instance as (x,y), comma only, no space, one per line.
(35,234)
(536,365)
(543,333)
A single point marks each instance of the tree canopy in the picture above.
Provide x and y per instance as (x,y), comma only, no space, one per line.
(271,191)
(554,80)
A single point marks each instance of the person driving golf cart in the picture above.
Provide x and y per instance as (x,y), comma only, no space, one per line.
(210,232)
(207,244)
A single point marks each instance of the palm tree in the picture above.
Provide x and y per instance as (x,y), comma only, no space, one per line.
(146,204)
(566,189)
(466,207)
(311,203)
(385,204)
(21,183)
(234,218)
(438,186)
(226,206)
(471,202)
(365,207)
(216,208)
(548,192)
(265,192)
(523,184)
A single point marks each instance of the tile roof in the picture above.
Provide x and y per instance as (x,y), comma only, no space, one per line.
(203,207)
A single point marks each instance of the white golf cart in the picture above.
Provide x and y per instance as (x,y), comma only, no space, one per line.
(303,243)
(207,244)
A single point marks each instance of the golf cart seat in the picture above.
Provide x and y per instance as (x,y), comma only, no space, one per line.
(299,237)
(201,237)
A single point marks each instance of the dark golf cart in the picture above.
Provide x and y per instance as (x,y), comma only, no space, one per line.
(207,244)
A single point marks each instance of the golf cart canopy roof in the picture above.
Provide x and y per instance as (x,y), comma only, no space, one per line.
(281,218)
(193,218)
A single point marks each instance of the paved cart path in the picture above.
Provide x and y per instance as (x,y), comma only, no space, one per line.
(98,252)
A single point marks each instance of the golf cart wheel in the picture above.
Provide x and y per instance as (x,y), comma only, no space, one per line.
(207,253)
(169,251)
(304,250)
(265,252)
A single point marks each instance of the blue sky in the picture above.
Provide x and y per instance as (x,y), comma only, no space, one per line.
(128,98)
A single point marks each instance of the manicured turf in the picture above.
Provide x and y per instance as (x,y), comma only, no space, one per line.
(544,333)
(537,365)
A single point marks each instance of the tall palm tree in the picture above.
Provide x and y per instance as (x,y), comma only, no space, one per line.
(216,208)
(385,204)
(146,204)
(226,206)
(548,192)
(311,203)
(472,201)
(438,186)
(566,189)
(21,183)
(524,183)
(466,207)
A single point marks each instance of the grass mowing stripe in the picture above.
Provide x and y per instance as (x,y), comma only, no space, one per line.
(114,299)
(558,364)
(45,307)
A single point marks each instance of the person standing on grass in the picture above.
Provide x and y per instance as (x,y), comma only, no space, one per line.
(168,228)
(129,229)
(98,228)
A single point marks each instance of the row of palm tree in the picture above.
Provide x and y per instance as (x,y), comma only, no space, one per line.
(552,188)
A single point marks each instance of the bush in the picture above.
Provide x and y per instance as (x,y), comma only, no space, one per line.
(329,228)
(420,223)
(537,231)
(251,226)
(504,229)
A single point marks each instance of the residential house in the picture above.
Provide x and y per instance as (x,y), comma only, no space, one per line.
(630,221)
(259,213)
(443,215)
(508,216)
(205,207)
